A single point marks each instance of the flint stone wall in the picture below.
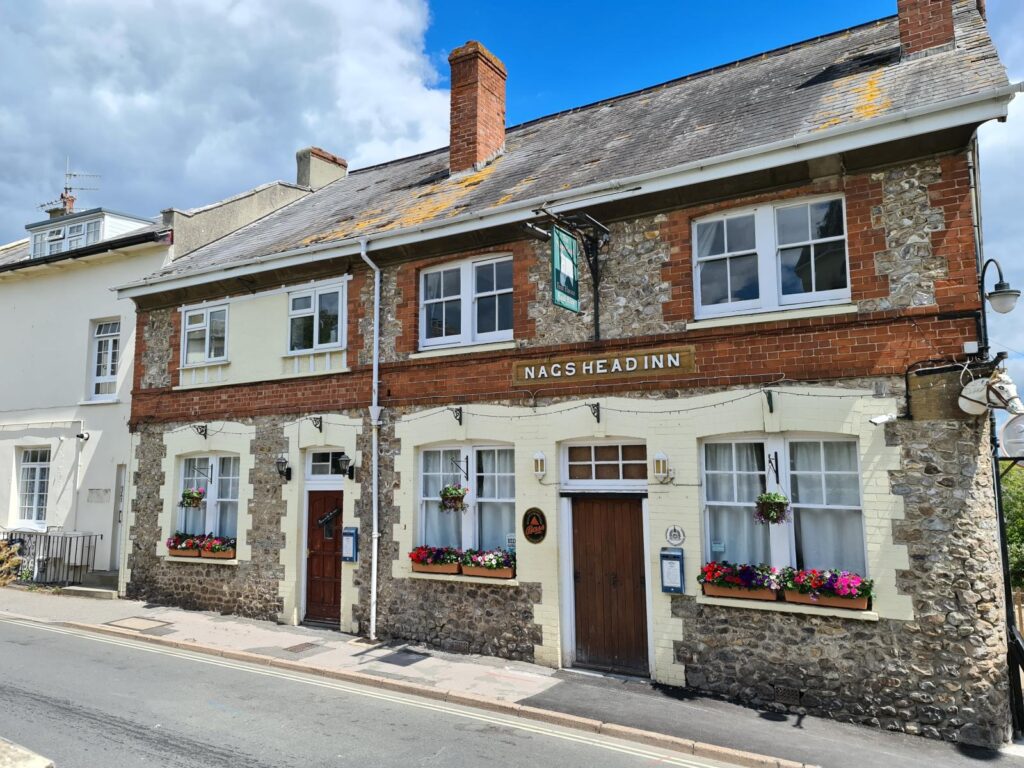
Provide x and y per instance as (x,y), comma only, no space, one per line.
(158,348)
(942,675)
(249,588)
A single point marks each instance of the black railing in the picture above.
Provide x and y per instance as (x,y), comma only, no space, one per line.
(53,558)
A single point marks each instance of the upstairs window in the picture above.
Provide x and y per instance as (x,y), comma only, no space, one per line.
(92,232)
(218,477)
(35,484)
(466,303)
(771,257)
(204,336)
(316,319)
(76,236)
(105,352)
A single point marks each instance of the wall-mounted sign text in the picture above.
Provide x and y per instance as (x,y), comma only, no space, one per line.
(535,525)
(617,365)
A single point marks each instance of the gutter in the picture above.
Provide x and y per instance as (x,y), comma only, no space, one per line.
(90,250)
(899,125)
(375,422)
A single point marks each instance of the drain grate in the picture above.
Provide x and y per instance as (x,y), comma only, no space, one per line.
(786,695)
(301,647)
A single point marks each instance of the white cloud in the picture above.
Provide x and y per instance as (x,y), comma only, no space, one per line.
(1002,176)
(183,103)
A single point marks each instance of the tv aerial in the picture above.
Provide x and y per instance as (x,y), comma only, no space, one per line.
(67,198)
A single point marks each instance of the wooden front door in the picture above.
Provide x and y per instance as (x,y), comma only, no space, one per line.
(323,557)
(610,586)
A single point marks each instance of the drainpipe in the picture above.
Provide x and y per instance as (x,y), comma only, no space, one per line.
(375,422)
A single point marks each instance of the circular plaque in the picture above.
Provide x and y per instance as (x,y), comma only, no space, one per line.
(674,535)
(535,525)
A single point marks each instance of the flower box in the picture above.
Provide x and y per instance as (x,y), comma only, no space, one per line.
(827,601)
(435,567)
(183,552)
(487,573)
(741,593)
(226,554)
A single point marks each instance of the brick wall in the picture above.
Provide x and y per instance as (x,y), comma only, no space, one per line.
(925,23)
(477,107)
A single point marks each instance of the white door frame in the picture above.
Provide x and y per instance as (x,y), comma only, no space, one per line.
(567,600)
(309,484)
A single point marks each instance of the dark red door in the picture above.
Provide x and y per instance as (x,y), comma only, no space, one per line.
(323,557)
(610,587)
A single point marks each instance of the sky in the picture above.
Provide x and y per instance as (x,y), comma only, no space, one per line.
(179,103)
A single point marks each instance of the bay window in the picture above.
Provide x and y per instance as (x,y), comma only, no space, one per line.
(218,477)
(820,476)
(468,302)
(770,257)
(488,521)
(204,335)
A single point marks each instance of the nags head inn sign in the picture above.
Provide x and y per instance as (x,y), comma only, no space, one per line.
(615,365)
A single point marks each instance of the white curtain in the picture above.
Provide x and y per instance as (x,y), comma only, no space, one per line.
(441,528)
(192,520)
(830,538)
(734,477)
(227,497)
(736,537)
(497,521)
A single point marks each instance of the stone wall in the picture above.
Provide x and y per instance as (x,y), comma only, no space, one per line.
(942,675)
(249,588)
(158,348)
(463,617)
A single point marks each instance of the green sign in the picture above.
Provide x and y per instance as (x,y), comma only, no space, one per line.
(565,278)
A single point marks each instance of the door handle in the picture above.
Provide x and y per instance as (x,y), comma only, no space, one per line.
(576,576)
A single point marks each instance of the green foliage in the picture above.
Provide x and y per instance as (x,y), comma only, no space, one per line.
(1013,509)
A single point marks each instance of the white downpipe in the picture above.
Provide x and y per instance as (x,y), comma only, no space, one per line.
(375,422)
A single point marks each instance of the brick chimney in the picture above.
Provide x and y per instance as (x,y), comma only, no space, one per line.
(478,107)
(316,168)
(925,24)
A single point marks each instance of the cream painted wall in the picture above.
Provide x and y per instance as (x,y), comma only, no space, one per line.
(47,312)
(674,427)
(257,342)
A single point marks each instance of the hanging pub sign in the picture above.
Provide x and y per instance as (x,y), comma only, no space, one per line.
(535,525)
(565,283)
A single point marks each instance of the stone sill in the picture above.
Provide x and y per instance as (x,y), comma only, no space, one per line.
(460,578)
(463,349)
(780,607)
(111,401)
(279,377)
(749,318)
(193,560)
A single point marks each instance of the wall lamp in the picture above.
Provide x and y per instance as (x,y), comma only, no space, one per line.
(540,465)
(1003,298)
(345,466)
(283,469)
(83,436)
(663,472)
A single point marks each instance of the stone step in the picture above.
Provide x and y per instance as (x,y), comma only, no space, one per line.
(97,593)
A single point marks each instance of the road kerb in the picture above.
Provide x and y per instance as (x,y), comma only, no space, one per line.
(549,716)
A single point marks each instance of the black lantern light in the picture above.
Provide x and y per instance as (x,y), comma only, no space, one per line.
(283,469)
(344,466)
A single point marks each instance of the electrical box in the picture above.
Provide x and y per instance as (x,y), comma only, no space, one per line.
(672,570)
(349,545)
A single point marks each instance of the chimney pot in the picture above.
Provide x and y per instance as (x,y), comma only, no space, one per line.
(477,107)
(316,168)
(925,24)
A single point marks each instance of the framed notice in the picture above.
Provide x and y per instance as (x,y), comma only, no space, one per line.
(565,259)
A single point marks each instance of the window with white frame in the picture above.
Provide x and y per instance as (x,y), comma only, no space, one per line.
(488,522)
(820,476)
(35,484)
(217,477)
(771,257)
(466,303)
(324,465)
(316,319)
(76,236)
(609,464)
(92,232)
(204,335)
(104,353)
(38,244)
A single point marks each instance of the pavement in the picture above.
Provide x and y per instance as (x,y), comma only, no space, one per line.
(15,756)
(623,708)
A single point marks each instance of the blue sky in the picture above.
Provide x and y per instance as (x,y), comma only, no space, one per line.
(562,55)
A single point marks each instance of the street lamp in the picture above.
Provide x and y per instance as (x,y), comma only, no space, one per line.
(1003,298)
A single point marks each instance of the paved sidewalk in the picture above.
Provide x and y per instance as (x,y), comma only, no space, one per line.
(487,682)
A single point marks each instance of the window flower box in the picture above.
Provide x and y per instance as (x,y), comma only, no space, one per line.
(435,559)
(490,564)
(183,552)
(184,545)
(218,548)
(742,582)
(827,588)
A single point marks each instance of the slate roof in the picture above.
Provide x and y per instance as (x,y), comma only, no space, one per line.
(843,78)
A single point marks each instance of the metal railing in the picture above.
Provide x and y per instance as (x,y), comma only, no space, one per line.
(54,558)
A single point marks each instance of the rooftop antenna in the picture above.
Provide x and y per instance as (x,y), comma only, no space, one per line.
(65,204)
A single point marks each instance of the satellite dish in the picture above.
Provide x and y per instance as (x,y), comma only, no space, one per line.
(1011,438)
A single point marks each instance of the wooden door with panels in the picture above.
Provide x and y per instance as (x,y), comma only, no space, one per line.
(610,585)
(323,557)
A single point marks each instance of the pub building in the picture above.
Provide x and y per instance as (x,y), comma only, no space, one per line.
(586,344)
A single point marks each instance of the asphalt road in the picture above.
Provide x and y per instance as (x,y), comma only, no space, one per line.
(86,701)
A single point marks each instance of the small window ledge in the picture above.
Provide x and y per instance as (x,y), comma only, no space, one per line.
(195,560)
(111,401)
(460,578)
(464,349)
(782,607)
(781,315)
